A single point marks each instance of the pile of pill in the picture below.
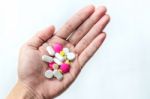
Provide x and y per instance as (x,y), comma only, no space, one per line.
(59,61)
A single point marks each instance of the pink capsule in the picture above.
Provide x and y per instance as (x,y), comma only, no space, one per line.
(65,67)
(58,47)
(51,65)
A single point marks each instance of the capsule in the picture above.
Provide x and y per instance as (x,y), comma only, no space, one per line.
(57,61)
(58,74)
(59,57)
(50,50)
(47,58)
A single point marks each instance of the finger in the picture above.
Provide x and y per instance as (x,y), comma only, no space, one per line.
(75,21)
(41,37)
(90,36)
(87,25)
(91,49)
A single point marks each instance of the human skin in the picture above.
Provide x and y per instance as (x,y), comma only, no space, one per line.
(86,27)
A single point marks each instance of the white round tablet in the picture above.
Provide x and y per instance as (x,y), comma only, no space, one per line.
(66,50)
(70,56)
(48,74)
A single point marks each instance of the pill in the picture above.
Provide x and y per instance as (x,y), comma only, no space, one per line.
(57,61)
(65,57)
(60,71)
(55,66)
(59,57)
(70,56)
(66,50)
(58,47)
(47,58)
(48,74)
(65,67)
(67,62)
(58,74)
(51,65)
(62,53)
(50,50)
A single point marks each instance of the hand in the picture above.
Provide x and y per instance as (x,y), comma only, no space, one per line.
(86,27)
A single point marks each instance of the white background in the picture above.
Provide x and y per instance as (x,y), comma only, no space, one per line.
(119,70)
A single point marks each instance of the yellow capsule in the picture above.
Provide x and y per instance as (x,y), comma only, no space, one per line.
(67,62)
(65,57)
(55,66)
(62,53)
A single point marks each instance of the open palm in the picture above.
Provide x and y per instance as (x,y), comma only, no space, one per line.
(84,30)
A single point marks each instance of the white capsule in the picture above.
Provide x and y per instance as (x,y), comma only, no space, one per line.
(66,50)
(59,57)
(50,50)
(48,74)
(70,56)
(57,61)
(47,58)
(58,74)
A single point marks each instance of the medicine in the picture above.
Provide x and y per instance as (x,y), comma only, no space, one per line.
(59,57)
(70,56)
(47,58)
(50,50)
(57,61)
(55,66)
(48,74)
(51,65)
(58,74)
(62,53)
(67,62)
(58,47)
(65,68)
(66,50)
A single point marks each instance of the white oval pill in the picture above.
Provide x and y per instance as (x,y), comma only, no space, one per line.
(66,50)
(47,58)
(48,74)
(50,50)
(59,57)
(70,56)
(58,74)
(57,61)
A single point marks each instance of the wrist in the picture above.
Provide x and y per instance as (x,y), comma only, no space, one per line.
(22,91)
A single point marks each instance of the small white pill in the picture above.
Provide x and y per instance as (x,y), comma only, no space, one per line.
(47,58)
(66,50)
(48,74)
(59,57)
(50,50)
(58,74)
(70,56)
(57,61)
